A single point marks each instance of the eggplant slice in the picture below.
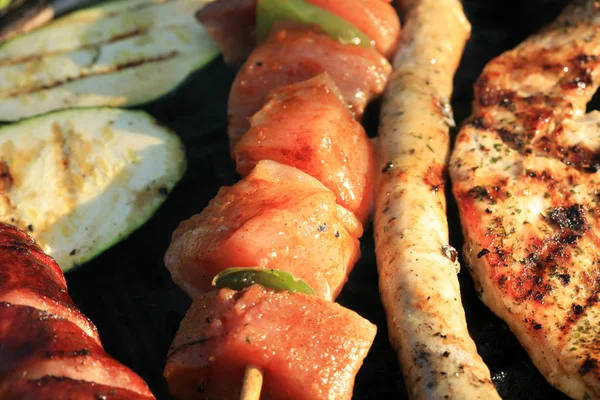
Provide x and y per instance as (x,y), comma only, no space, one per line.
(81,180)
(119,54)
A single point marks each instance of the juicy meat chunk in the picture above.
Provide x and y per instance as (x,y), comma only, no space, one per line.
(48,348)
(30,277)
(525,176)
(417,267)
(277,217)
(307,126)
(232,23)
(50,387)
(309,348)
(375,18)
(36,344)
(293,53)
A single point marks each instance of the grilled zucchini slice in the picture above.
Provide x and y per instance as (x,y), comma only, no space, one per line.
(121,53)
(81,180)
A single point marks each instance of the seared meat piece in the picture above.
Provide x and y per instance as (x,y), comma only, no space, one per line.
(48,349)
(417,267)
(232,23)
(294,53)
(306,125)
(277,217)
(375,18)
(309,348)
(525,175)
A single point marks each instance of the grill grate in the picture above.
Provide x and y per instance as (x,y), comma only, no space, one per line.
(128,293)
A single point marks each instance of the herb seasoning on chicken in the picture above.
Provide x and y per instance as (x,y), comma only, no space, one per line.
(525,176)
(417,267)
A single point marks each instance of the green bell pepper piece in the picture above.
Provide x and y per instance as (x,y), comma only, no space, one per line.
(240,278)
(270,11)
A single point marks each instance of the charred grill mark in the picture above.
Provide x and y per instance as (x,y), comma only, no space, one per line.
(122,36)
(477,123)
(543,178)
(491,96)
(481,193)
(502,280)
(435,177)
(581,81)
(190,344)
(500,254)
(483,252)
(547,261)
(590,364)
(535,326)
(580,157)
(570,219)
(421,355)
(388,166)
(533,122)
(6,180)
(512,139)
(533,281)
(565,279)
(578,311)
(64,354)
(532,117)
(580,72)
(489,193)
(496,257)
(62,141)
(110,70)
(91,46)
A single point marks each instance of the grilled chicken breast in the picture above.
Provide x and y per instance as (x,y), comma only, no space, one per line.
(417,268)
(525,176)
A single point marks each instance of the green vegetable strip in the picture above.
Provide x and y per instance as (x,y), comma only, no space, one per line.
(270,11)
(240,278)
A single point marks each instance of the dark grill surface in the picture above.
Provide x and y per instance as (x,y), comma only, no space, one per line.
(127,291)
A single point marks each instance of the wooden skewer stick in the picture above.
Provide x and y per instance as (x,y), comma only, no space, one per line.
(253,380)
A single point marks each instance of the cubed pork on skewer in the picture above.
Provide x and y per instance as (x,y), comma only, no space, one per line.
(306,126)
(232,23)
(282,218)
(309,348)
(293,53)
(277,217)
